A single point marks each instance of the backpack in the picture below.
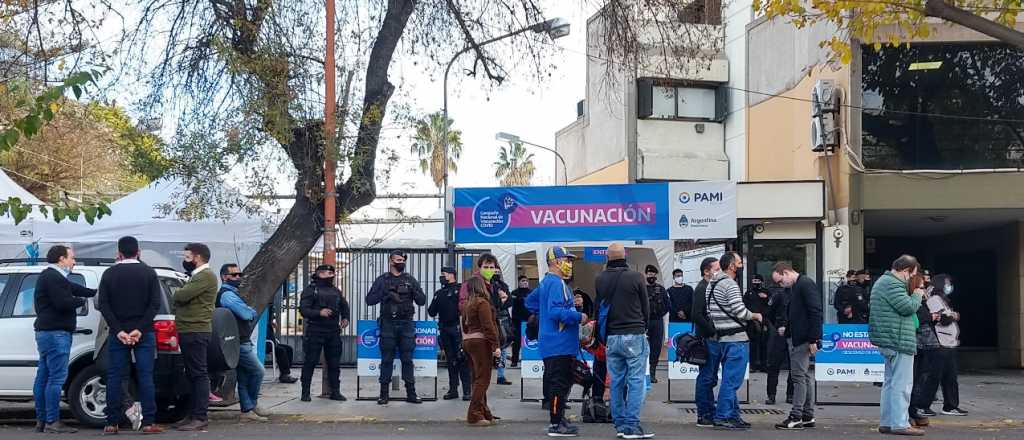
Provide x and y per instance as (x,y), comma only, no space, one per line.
(595,411)
(691,349)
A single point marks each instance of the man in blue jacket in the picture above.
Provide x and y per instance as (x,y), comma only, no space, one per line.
(250,370)
(558,335)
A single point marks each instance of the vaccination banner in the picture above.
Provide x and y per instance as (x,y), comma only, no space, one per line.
(368,349)
(644,211)
(680,370)
(847,355)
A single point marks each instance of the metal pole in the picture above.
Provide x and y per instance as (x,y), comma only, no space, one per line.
(565,170)
(330,195)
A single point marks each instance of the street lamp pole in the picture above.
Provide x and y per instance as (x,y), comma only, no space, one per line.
(555,28)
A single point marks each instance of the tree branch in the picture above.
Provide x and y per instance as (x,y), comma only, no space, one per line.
(481,57)
(951,13)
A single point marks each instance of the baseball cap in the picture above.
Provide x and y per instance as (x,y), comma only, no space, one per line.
(556,252)
(325,267)
(397,253)
(448,269)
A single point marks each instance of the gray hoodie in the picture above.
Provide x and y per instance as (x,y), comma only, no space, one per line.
(728,294)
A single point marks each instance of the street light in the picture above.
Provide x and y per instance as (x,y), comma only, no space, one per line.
(555,28)
(511,138)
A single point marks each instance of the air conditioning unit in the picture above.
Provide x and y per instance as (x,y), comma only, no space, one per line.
(824,116)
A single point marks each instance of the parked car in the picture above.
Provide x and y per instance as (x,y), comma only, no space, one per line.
(85,389)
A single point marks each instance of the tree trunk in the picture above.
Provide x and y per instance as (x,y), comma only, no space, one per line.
(951,13)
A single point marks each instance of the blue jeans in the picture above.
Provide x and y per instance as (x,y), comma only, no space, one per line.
(501,365)
(249,373)
(734,357)
(54,347)
(707,380)
(627,361)
(899,381)
(119,363)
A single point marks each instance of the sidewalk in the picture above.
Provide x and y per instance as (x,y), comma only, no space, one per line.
(994,399)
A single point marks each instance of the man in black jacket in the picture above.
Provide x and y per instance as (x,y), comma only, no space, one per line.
(398,293)
(659,307)
(129,299)
(851,301)
(707,378)
(56,304)
(625,292)
(325,312)
(681,299)
(777,319)
(804,333)
(445,307)
(520,314)
(756,300)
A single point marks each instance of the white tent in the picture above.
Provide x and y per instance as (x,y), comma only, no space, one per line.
(14,238)
(149,214)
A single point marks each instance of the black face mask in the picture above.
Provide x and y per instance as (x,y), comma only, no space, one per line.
(444,280)
(399,267)
(323,281)
(233,283)
(739,273)
(189,266)
(651,280)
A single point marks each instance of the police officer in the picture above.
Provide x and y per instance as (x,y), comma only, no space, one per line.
(398,293)
(324,313)
(445,307)
(851,302)
(756,300)
(659,307)
(778,348)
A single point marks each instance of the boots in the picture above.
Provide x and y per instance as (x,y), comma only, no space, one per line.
(385,393)
(305,394)
(411,397)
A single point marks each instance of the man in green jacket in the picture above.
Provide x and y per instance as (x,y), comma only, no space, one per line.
(893,330)
(193,314)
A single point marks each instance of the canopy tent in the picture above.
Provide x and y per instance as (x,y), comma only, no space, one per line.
(12,236)
(151,214)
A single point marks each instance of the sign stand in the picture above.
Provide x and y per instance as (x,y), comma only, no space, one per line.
(847,355)
(368,354)
(687,370)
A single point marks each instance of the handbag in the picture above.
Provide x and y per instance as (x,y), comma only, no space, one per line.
(690,349)
(595,411)
(505,333)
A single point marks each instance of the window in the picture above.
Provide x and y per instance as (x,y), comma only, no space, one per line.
(702,12)
(170,285)
(666,101)
(24,304)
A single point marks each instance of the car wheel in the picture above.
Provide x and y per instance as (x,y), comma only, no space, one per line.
(87,397)
(173,411)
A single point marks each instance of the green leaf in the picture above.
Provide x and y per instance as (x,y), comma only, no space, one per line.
(104,208)
(90,214)
(58,214)
(3,208)
(32,125)
(20,212)
(44,211)
(72,212)
(77,90)
(47,115)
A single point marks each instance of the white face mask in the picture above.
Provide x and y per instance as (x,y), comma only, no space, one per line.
(948,289)
(678,280)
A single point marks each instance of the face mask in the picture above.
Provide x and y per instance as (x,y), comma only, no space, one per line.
(189,266)
(678,280)
(739,273)
(566,268)
(756,285)
(948,290)
(444,280)
(651,280)
(524,285)
(488,273)
(399,267)
(233,283)
(324,281)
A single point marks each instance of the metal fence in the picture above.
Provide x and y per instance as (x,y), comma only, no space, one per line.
(356,271)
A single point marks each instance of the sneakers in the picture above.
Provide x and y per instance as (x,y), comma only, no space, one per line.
(912,432)
(927,412)
(563,430)
(134,415)
(636,433)
(809,422)
(731,425)
(705,423)
(215,398)
(110,430)
(194,425)
(955,412)
(790,424)
(152,429)
(503,381)
(287,379)
(58,428)
(251,416)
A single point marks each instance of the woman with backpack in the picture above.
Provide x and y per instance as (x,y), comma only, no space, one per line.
(943,368)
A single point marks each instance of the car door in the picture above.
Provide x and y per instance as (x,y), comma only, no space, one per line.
(18,355)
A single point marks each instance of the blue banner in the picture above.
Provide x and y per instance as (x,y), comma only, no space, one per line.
(847,355)
(369,356)
(563,213)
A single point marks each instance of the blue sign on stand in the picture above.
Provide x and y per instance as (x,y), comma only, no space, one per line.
(368,349)
(532,364)
(847,355)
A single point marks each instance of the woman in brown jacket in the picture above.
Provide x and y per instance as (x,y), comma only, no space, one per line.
(480,341)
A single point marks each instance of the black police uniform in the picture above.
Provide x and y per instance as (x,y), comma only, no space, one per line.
(320,333)
(658,299)
(757,333)
(398,297)
(852,295)
(445,307)
(778,350)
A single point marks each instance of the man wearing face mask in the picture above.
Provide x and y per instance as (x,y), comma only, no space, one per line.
(398,293)
(519,315)
(193,314)
(756,300)
(658,299)
(325,312)
(681,298)
(851,302)
(249,371)
(445,307)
